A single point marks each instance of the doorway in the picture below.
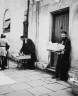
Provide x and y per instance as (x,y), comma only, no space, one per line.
(60,23)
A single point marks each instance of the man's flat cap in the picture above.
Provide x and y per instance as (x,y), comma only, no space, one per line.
(64,32)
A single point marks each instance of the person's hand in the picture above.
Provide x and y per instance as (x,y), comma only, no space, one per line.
(58,52)
(20,53)
(62,52)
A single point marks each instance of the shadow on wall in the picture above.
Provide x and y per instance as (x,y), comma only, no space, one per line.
(76,13)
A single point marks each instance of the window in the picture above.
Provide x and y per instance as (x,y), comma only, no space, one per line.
(6,21)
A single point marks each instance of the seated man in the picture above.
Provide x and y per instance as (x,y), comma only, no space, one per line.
(28,47)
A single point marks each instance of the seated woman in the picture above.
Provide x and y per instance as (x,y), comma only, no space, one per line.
(28,47)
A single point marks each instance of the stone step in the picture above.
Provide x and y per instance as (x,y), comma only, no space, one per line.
(51,70)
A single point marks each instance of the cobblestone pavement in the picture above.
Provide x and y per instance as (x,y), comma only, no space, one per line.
(32,83)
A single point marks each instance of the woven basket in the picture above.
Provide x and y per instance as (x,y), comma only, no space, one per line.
(74,86)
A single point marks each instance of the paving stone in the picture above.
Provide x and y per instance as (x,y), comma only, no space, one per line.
(34,73)
(37,91)
(44,95)
(9,73)
(48,80)
(63,83)
(20,75)
(68,89)
(20,86)
(5,89)
(27,71)
(3,95)
(46,75)
(36,83)
(33,83)
(61,93)
(22,72)
(11,76)
(20,93)
(30,71)
(22,80)
(55,86)
(34,77)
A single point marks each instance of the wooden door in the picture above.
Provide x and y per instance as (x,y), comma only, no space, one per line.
(60,22)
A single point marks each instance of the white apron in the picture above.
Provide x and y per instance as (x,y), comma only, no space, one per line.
(3,51)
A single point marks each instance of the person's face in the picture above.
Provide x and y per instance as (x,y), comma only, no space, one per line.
(63,36)
(25,40)
(22,39)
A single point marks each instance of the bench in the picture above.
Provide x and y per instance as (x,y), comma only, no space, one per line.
(22,59)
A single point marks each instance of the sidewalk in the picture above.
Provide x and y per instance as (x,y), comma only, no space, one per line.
(31,83)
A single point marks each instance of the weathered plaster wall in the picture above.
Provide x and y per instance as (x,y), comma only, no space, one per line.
(16,9)
(2,9)
(45,31)
(74,34)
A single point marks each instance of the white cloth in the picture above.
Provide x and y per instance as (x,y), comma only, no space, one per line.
(3,51)
(55,46)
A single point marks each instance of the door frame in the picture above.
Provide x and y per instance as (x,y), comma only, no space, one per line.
(52,16)
(52,26)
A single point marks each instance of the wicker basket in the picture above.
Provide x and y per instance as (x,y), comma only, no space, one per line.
(74,85)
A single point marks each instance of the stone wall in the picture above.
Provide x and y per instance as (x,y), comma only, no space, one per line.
(40,25)
(44,32)
(16,10)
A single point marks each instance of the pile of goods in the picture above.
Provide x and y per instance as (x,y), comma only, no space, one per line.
(73,82)
(55,46)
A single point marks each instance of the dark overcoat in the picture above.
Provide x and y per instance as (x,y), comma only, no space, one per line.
(63,62)
(29,48)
